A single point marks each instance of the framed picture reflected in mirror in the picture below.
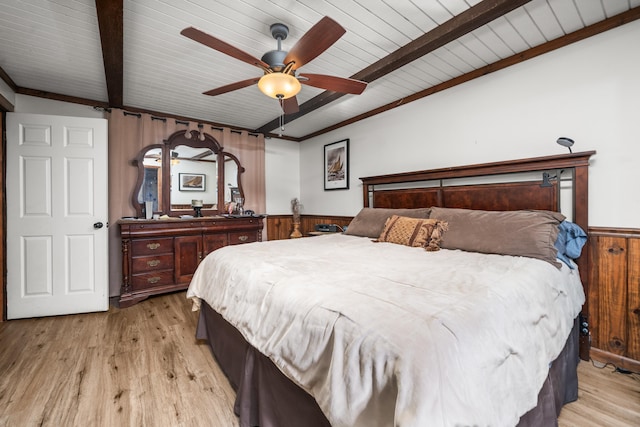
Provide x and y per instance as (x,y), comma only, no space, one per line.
(192,181)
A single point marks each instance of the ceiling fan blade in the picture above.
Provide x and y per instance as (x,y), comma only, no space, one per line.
(224,47)
(232,86)
(290,105)
(333,83)
(315,41)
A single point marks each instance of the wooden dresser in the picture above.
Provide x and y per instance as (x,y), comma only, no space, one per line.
(160,256)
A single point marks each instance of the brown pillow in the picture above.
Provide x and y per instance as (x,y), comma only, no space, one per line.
(526,233)
(416,232)
(370,221)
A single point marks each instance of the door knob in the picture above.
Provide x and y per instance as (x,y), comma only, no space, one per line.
(98,225)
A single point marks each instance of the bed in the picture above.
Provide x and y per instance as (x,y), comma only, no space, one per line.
(454,322)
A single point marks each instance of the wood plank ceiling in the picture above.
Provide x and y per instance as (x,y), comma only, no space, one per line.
(130,54)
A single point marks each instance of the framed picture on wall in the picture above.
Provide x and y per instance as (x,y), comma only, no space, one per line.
(191,181)
(336,165)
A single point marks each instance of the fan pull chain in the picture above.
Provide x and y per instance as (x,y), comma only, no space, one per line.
(281,124)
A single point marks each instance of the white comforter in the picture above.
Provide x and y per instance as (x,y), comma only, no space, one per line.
(388,335)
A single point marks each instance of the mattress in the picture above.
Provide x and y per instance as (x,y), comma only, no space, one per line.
(383,334)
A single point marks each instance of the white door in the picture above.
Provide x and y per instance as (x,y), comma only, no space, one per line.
(57,239)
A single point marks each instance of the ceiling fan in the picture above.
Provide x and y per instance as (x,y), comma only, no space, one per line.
(281,79)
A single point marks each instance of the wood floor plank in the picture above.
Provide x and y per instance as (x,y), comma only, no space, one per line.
(605,398)
(142,366)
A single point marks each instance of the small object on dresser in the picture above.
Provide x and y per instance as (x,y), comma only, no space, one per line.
(231,207)
(196,204)
(148,209)
(239,205)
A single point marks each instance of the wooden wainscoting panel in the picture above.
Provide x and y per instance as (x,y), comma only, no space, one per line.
(280,226)
(614,296)
(592,295)
(308,222)
(611,284)
(633,299)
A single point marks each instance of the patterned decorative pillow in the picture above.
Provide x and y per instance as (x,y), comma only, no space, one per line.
(416,232)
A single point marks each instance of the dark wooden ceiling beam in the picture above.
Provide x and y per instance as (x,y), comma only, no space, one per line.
(469,20)
(5,104)
(4,76)
(110,21)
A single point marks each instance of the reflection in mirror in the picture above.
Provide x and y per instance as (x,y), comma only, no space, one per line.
(194,175)
(187,166)
(151,189)
(231,190)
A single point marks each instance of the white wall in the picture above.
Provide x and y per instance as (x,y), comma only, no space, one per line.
(282,169)
(587,91)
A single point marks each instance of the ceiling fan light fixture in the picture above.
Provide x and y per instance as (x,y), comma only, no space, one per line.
(279,85)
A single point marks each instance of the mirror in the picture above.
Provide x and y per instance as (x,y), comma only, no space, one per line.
(151,188)
(187,166)
(231,179)
(194,173)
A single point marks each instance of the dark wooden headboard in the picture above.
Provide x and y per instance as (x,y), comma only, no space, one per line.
(468,187)
(502,196)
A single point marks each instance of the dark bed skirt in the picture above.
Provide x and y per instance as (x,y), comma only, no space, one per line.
(267,398)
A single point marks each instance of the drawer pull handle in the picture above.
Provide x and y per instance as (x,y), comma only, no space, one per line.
(243,238)
(153,280)
(153,246)
(153,263)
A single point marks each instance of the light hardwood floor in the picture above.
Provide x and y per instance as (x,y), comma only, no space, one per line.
(141,366)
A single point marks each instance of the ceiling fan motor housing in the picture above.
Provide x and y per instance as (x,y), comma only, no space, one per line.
(275,59)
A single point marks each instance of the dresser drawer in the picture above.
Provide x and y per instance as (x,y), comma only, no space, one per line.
(152,246)
(239,237)
(151,263)
(151,280)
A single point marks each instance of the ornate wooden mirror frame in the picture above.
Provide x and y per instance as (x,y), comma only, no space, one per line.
(165,182)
